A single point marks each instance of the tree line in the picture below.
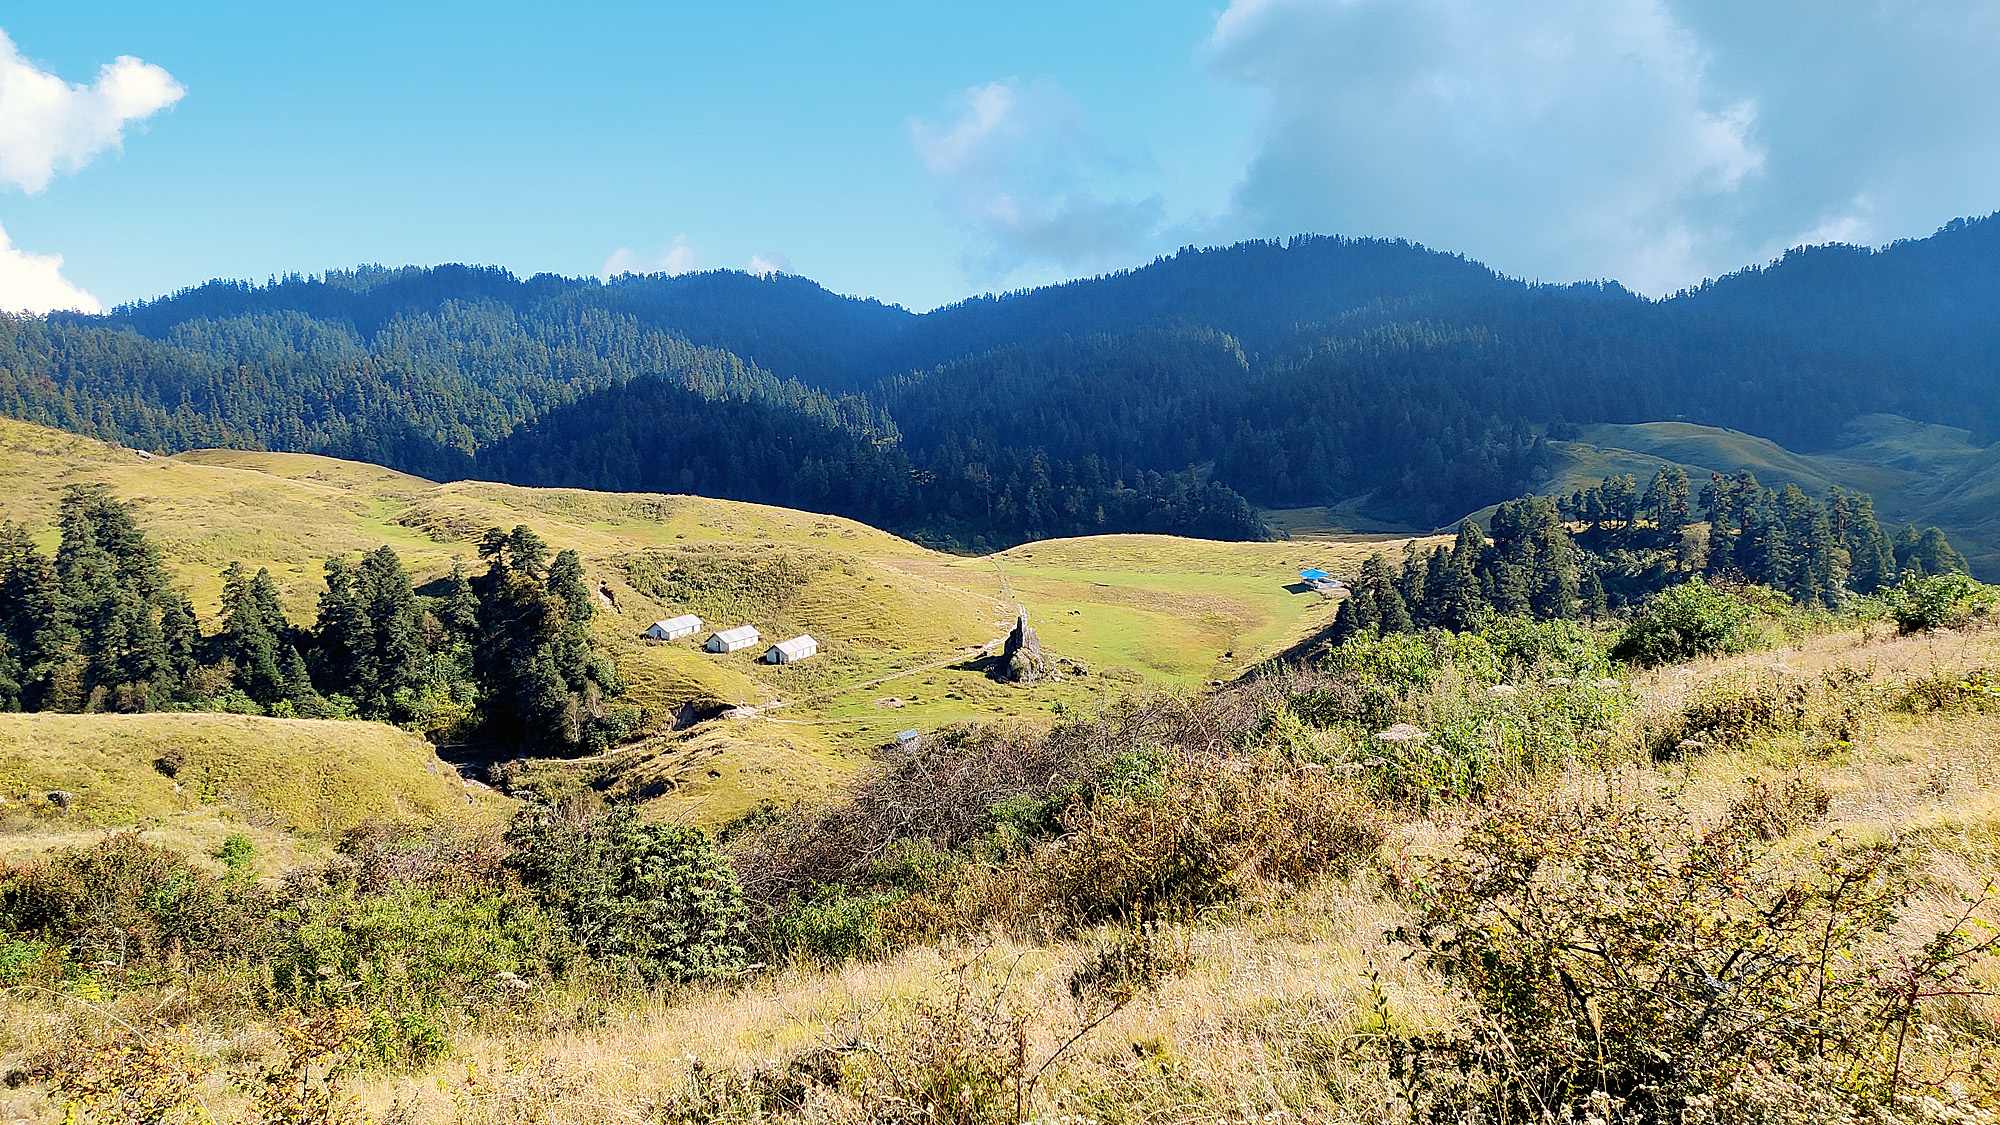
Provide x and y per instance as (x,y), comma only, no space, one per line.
(1611,546)
(504,656)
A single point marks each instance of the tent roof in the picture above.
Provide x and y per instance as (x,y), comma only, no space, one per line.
(797,644)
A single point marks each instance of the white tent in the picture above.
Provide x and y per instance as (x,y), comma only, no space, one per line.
(674,628)
(733,640)
(792,651)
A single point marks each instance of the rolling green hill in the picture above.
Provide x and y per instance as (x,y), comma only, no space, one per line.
(901,627)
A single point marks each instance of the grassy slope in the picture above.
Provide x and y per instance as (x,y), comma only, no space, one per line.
(897,623)
(1254,1028)
(1917,473)
(290,785)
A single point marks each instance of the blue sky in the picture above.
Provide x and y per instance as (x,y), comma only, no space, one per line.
(923,151)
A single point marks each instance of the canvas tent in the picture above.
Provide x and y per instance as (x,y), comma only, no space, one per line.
(674,628)
(733,640)
(792,651)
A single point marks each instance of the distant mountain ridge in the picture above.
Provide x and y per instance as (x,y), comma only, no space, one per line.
(1416,384)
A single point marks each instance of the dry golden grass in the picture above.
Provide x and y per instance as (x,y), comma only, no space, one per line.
(1259,1018)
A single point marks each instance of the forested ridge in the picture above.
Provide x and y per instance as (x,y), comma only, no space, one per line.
(1175,397)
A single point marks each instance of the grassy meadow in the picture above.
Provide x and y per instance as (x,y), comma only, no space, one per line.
(901,628)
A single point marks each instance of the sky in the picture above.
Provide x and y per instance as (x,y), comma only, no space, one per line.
(923,152)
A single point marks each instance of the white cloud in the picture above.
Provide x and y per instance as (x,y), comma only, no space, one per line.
(764,265)
(1552,138)
(678,259)
(1655,141)
(34,283)
(1879,118)
(1024,174)
(48,125)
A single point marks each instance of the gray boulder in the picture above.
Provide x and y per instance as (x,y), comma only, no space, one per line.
(1021,661)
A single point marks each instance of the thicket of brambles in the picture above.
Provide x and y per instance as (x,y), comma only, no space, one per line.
(1618,955)
(1612,546)
(505,655)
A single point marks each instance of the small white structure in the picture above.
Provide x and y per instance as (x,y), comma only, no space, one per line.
(792,651)
(674,628)
(734,640)
(905,739)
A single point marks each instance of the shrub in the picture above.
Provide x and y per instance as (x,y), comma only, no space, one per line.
(1941,601)
(1219,826)
(412,956)
(445,858)
(1952,691)
(657,899)
(1684,622)
(1476,737)
(1401,662)
(130,902)
(1731,711)
(237,854)
(1629,966)
(1555,648)
(833,926)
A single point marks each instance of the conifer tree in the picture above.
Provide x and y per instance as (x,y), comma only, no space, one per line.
(534,657)
(1666,501)
(459,610)
(110,581)
(1373,606)
(257,639)
(33,617)
(1871,560)
(395,622)
(1928,553)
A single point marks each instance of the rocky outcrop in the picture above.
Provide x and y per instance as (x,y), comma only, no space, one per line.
(1021,661)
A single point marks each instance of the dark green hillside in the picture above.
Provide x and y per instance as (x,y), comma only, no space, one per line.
(1409,385)
(656,435)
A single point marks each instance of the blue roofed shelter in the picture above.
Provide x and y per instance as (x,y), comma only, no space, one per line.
(1320,580)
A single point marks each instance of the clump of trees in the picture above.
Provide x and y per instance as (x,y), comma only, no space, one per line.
(505,655)
(1615,546)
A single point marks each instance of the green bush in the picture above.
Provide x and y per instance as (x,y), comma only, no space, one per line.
(1941,601)
(237,854)
(1952,691)
(1217,827)
(411,955)
(1554,648)
(133,903)
(1477,735)
(1684,622)
(1399,662)
(834,926)
(658,899)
